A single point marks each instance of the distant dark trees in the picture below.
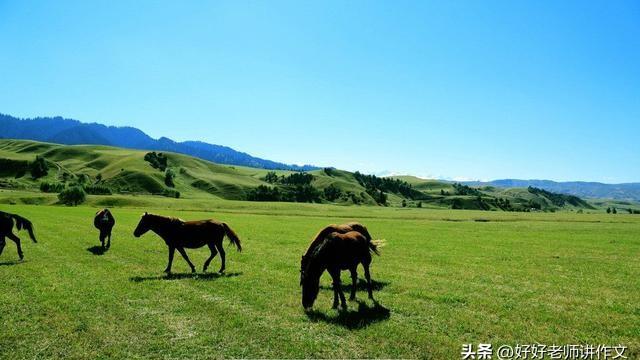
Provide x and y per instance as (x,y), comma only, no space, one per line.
(404,203)
(39,168)
(156,160)
(377,187)
(332,193)
(559,199)
(169,176)
(461,189)
(271,177)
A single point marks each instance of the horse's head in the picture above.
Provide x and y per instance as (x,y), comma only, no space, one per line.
(143,225)
(310,289)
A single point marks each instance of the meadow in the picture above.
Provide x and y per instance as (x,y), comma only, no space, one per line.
(444,278)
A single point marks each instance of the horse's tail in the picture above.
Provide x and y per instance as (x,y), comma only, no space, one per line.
(233,237)
(22,223)
(374,245)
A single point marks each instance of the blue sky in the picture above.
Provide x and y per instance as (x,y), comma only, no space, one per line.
(453,89)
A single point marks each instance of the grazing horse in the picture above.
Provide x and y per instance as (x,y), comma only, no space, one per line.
(335,253)
(179,234)
(319,238)
(104,222)
(6,227)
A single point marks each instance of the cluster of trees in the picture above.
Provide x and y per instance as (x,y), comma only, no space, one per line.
(611,210)
(301,193)
(39,167)
(377,187)
(461,189)
(169,177)
(295,187)
(72,196)
(156,160)
(559,199)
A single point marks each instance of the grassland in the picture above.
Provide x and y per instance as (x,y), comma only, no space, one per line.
(445,278)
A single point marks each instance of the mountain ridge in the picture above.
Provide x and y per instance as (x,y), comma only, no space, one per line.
(586,189)
(74,132)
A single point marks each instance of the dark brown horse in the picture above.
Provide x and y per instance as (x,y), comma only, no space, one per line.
(6,227)
(179,234)
(104,221)
(320,237)
(335,253)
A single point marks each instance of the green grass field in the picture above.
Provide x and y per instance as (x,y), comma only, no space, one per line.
(444,278)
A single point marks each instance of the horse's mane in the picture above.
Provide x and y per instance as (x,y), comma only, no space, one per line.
(171,219)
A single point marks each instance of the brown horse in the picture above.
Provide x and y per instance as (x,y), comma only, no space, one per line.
(319,238)
(6,227)
(179,234)
(104,222)
(335,253)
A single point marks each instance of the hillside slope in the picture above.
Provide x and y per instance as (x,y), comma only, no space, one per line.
(73,132)
(132,172)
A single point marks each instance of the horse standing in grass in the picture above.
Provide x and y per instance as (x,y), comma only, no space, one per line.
(179,234)
(104,221)
(334,253)
(320,237)
(6,227)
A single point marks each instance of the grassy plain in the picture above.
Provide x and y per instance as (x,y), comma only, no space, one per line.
(444,278)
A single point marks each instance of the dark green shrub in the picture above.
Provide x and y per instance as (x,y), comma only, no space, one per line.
(73,196)
(39,168)
(48,187)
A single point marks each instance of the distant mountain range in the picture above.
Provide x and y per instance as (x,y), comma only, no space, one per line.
(628,191)
(73,132)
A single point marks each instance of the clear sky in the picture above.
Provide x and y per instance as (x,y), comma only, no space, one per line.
(452,89)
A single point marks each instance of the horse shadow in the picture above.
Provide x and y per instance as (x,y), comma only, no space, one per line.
(10,263)
(97,250)
(194,276)
(364,316)
(361,285)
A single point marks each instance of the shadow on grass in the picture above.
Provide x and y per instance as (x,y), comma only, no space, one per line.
(10,263)
(350,319)
(97,250)
(195,276)
(361,285)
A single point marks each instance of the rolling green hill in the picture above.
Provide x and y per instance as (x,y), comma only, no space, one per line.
(127,172)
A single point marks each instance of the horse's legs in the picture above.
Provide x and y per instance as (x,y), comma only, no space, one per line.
(171,251)
(109,242)
(222,257)
(2,244)
(367,275)
(102,237)
(186,258)
(354,282)
(337,288)
(214,252)
(17,241)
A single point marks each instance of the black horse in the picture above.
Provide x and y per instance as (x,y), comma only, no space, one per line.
(104,221)
(337,252)
(179,234)
(6,227)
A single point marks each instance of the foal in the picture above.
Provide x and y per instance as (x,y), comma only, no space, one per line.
(6,227)
(179,234)
(337,252)
(104,222)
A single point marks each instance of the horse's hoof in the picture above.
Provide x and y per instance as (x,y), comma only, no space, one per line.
(221,271)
